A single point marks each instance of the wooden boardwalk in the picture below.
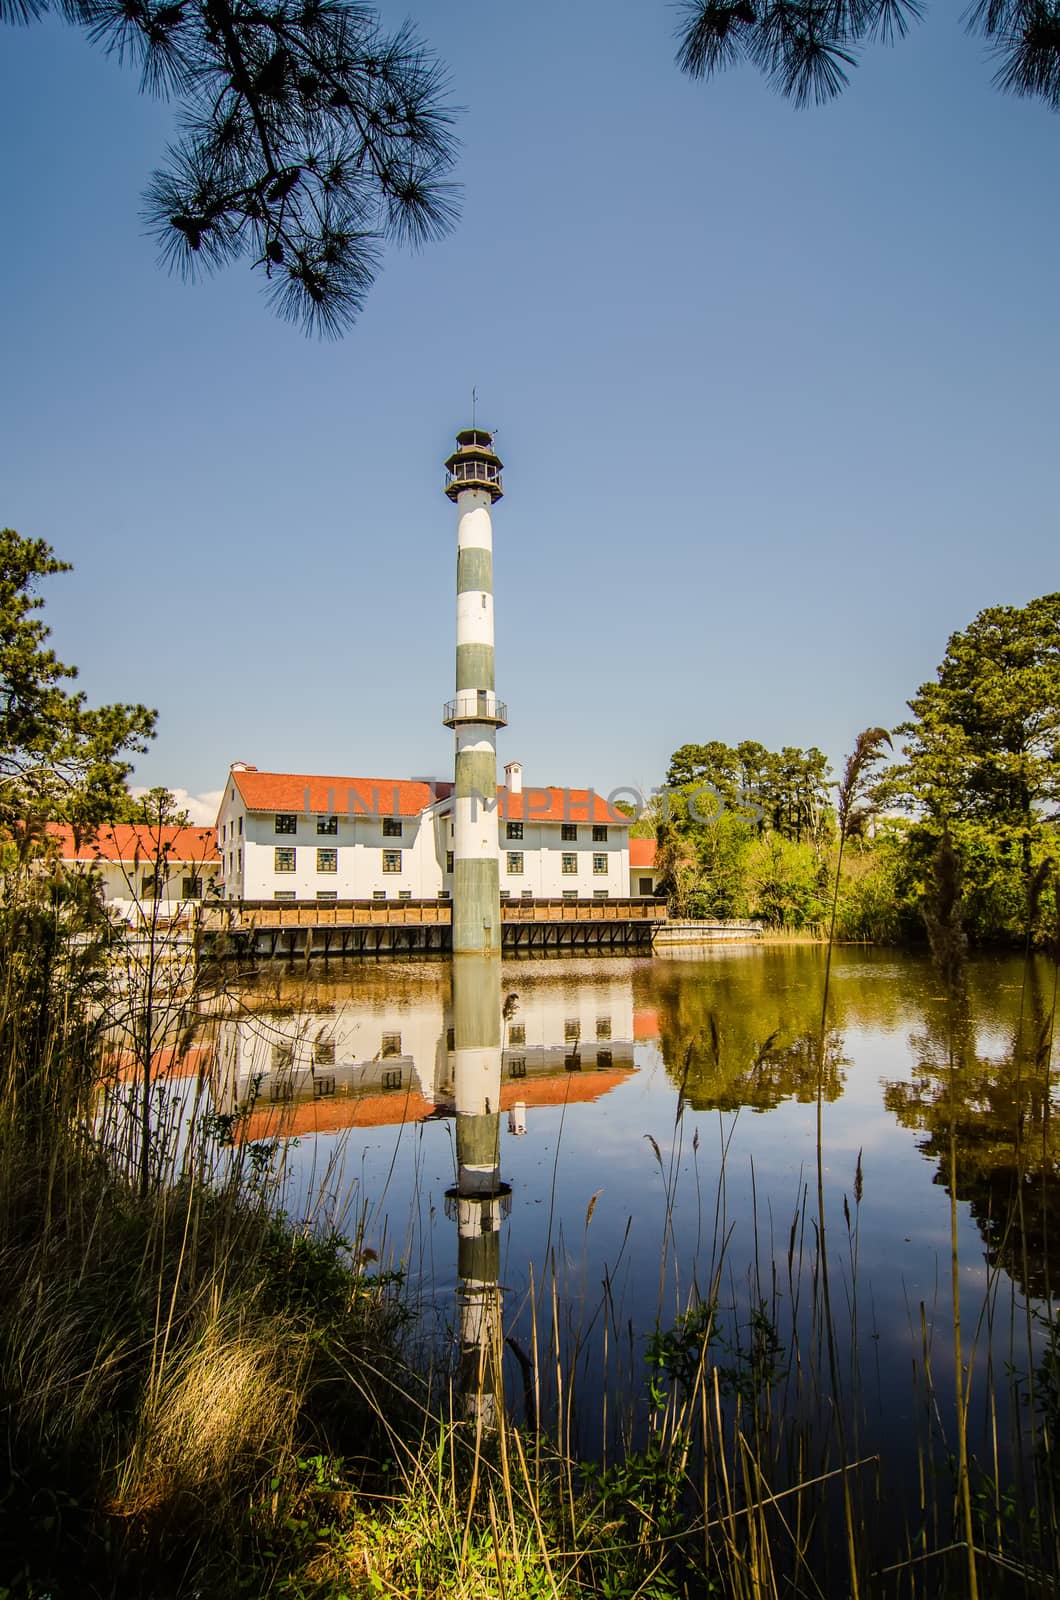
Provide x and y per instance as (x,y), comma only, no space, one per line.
(267,928)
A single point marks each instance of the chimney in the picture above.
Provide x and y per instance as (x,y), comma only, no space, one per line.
(513,777)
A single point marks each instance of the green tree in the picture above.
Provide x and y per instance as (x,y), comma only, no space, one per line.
(712,765)
(807,50)
(983,744)
(59,759)
(309,137)
(798,803)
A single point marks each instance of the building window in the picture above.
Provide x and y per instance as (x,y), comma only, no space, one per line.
(570,862)
(378,894)
(327,894)
(392,1078)
(450,1038)
(570,894)
(506,894)
(391,860)
(569,832)
(327,861)
(526,894)
(443,894)
(283,858)
(604,1058)
(646,886)
(517,1067)
(150,890)
(573,1062)
(191,888)
(404,894)
(322,1087)
(282,1057)
(286,822)
(515,830)
(572,1029)
(391,1045)
(281,1090)
(517,1033)
(599,834)
(241,827)
(603,1027)
(599,863)
(391,827)
(599,894)
(515,863)
(328,825)
(324,1053)
(283,894)
(448,861)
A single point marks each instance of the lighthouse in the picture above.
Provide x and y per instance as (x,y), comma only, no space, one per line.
(473,484)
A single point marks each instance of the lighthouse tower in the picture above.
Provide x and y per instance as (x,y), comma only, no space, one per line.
(473,483)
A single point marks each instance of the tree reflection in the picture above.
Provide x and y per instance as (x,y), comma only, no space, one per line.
(740,1035)
(1007,1133)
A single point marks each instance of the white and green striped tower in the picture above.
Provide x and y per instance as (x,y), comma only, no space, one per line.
(473,483)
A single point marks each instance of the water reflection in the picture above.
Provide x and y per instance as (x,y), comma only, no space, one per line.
(318,1056)
(480,1200)
(991,1086)
(315,1056)
(432,1091)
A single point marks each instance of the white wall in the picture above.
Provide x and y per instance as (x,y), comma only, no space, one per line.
(123,884)
(250,859)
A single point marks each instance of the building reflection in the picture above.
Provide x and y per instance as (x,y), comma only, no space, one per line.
(318,1063)
(474,1049)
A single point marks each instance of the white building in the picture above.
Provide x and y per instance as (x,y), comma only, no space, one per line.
(302,836)
(144,869)
(644,874)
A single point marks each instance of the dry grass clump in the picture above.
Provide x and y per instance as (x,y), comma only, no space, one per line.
(166,1363)
(220,1415)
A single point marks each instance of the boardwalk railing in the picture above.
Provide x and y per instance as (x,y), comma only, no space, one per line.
(380,927)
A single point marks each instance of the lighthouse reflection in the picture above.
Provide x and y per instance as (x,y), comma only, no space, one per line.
(332,1065)
(480,1200)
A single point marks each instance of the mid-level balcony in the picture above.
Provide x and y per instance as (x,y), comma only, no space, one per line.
(475,705)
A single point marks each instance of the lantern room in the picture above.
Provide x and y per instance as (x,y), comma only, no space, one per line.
(474,464)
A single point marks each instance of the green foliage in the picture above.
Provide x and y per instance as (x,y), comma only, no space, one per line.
(786,884)
(983,744)
(309,136)
(807,52)
(786,790)
(59,759)
(682,1354)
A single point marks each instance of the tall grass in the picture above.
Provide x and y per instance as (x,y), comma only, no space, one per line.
(205,1398)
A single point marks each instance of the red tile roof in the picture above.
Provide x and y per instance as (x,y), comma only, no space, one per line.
(390,1110)
(399,797)
(646,1024)
(532,804)
(642,852)
(305,791)
(328,1116)
(573,1088)
(170,1062)
(128,842)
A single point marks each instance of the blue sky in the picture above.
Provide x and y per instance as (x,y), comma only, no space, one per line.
(775,392)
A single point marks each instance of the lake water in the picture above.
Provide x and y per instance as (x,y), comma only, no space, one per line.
(582,1147)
